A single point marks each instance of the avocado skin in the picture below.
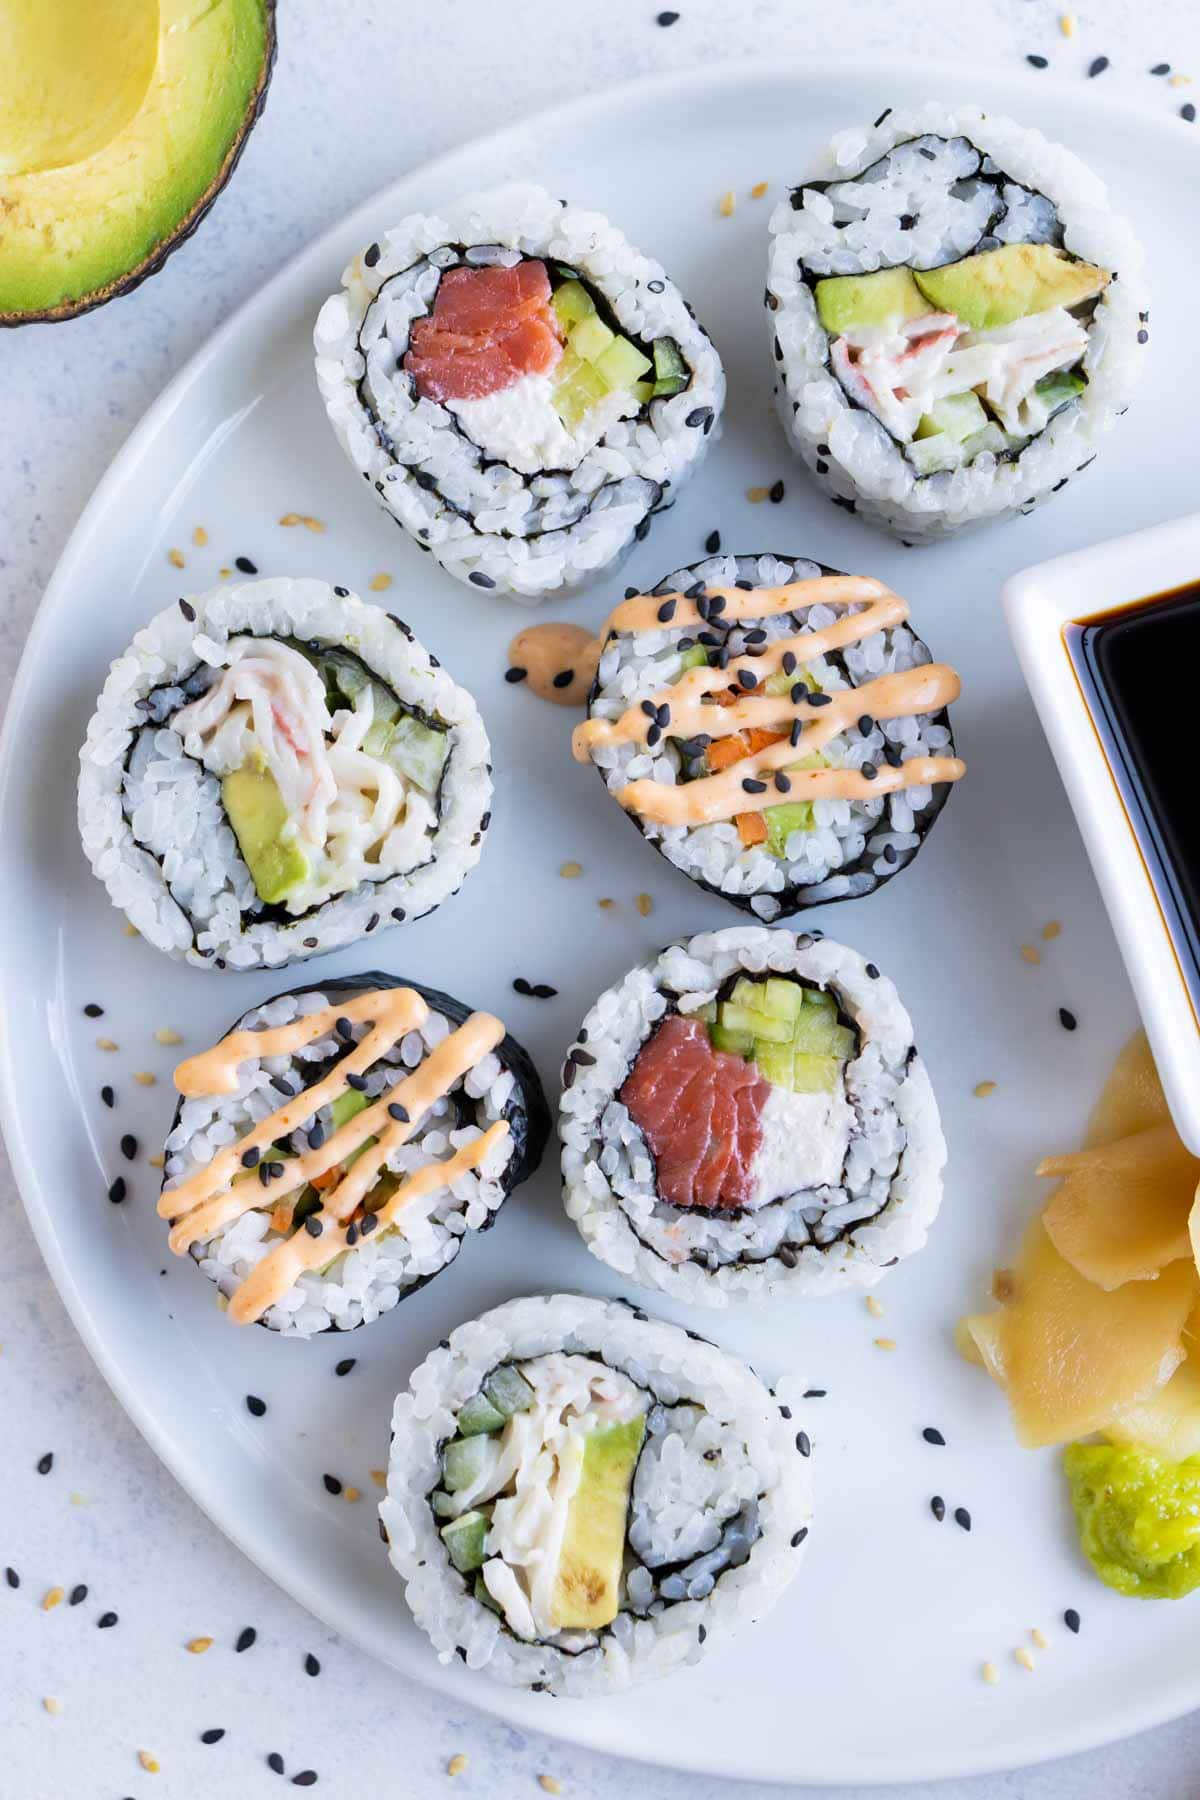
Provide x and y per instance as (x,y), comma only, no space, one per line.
(153,262)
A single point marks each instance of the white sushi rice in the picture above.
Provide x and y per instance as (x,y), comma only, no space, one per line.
(813,1239)
(374,1276)
(855,845)
(151,818)
(487,521)
(719,1514)
(846,449)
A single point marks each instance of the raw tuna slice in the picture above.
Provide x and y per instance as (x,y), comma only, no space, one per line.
(488,328)
(700,1111)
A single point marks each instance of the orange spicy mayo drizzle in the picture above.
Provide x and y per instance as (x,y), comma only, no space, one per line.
(724,795)
(224,1188)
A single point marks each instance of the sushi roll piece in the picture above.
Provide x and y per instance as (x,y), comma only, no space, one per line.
(581,1498)
(777,730)
(951,340)
(329,1156)
(275,769)
(521,387)
(747,1114)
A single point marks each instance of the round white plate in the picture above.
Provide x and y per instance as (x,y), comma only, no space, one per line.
(869,1668)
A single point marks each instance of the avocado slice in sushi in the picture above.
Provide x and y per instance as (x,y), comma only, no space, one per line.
(997,287)
(259,816)
(120,122)
(884,297)
(587,1581)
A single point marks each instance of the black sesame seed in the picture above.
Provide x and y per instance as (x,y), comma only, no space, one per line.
(872,972)
(275,1762)
(932,1435)
(245,565)
(776,492)
(563,679)
(313,1225)
(521,986)
(785,1412)
(78,1594)
(883,115)
(1038,62)
(255,1406)
(310,943)
(649,708)
(352,1234)
(889,853)
(821,467)
(106,1621)
(787,1256)
(789,662)
(92,1011)
(371,255)
(1161,69)
(129,1146)
(400,1113)
(1071,1619)
(712,542)
(803,1443)
(274,1170)
(750,786)
(865,724)
(189,612)
(369,1224)
(345,1366)
(937,1507)
(908,221)
(1143,336)
(316,1136)
(666,611)
(515,674)
(820,699)
(702,415)
(246,1638)
(213,1735)
(344,1028)
(798,1537)
(1187,111)
(653,736)
(892,756)
(718,603)
(868,771)
(399,914)
(795,733)
(332,1484)
(747,678)
(1097,66)
(108,1097)
(656,287)
(1067,1019)
(543,991)
(782,783)
(356,1081)
(311,1665)
(815,1393)
(480,579)
(118,1191)
(666,18)
(962,1517)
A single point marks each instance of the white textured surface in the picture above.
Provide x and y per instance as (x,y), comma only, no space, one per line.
(359,96)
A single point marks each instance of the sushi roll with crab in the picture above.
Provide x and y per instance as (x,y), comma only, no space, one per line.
(747,1114)
(276,769)
(521,387)
(332,1152)
(951,340)
(777,730)
(581,1499)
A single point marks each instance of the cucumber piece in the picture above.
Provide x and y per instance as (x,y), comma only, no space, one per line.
(737,1043)
(571,303)
(480,1591)
(780,998)
(442,1504)
(643,392)
(508,1390)
(379,735)
(814,1074)
(992,437)
(590,337)
(759,1025)
(621,364)
(419,751)
(467,1460)
(959,415)
(776,1061)
(478,1414)
(819,1034)
(1057,389)
(347,1105)
(696,657)
(463,1538)
(671,373)
(574,398)
(782,820)
(779,683)
(931,454)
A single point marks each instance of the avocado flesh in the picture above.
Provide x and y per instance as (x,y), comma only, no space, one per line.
(120,120)
(846,302)
(587,1582)
(997,287)
(255,809)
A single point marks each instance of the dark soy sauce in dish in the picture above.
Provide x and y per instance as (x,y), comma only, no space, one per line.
(1137,666)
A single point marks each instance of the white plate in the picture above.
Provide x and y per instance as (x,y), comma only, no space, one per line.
(870,1667)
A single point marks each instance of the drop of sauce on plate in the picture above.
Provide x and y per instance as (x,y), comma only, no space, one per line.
(559,661)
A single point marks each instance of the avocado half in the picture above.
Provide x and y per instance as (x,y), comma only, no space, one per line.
(120,123)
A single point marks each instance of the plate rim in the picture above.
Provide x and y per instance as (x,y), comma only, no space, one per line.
(865,71)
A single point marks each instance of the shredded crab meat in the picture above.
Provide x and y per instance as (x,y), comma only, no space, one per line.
(354,812)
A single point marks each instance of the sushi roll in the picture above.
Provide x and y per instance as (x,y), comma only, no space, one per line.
(747,1114)
(521,387)
(581,1499)
(950,337)
(275,769)
(777,730)
(331,1153)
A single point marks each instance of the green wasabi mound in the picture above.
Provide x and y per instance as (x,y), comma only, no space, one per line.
(1139,1518)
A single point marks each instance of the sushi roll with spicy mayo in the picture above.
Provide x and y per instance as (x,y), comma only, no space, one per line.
(747,1114)
(331,1153)
(522,388)
(777,730)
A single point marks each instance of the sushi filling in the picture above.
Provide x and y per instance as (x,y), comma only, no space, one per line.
(571,1495)
(953,314)
(311,765)
(317,1180)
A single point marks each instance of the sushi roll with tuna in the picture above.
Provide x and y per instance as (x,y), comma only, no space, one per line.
(950,336)
(777,730)
(522,388)
(581,1498)
(329,1156)
(747,1114)
(275,769)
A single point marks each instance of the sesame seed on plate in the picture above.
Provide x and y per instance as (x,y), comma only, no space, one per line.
(306,1778)
(937,1507)
(245,1638)
(885,1343)
(164,1035)
(198,1645)
(962,1518)
(255,1406)
(726,204)
(105,1043)
(52,1705)
(311,1665)
(549,1784)
(106,1621)
(144,1078)
(45,1463)
(78,1594)
(1097,66)
(380,583)
(1067,1019)
(1040,1638)
(1066,24)
(758,190)
(569,870)
(1071,1620)
(1024,1656)
(755,495)
(932,1435)
(776,492)
(457,1765)
(275,1762)
(990,1673)
(175,558)
(874,1306)
(1038,62)
(213,1735)
(148,1762)
(51,1598)
(982,1089)
(644,905)
(332,1484)
(92,1011)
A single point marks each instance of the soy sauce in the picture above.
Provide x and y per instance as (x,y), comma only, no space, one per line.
(1139,669)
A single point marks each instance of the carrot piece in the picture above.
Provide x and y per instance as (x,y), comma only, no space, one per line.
(328,1179)
(752,828)
(725,751)
(758,739)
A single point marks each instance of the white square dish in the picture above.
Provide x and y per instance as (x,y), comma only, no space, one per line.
(1040,604)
